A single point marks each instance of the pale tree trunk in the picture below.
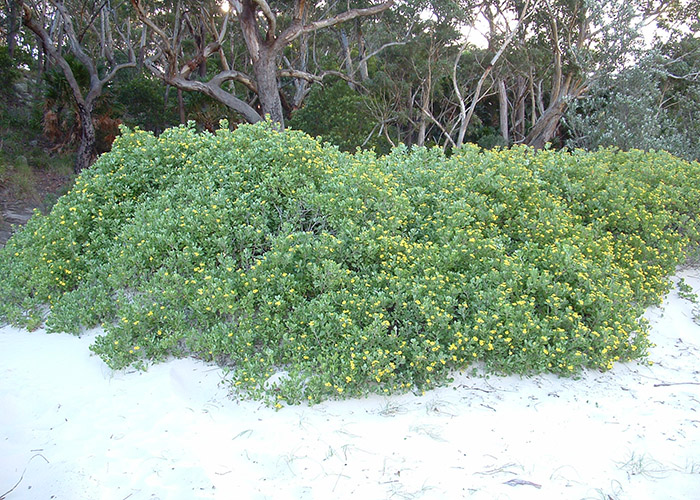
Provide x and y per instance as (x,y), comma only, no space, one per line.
(142,48)
(533,105)
(362,51)
(349,67)
(106,41)
(519,118)
(301,87)
(540,99)
(466,115)
(503,110)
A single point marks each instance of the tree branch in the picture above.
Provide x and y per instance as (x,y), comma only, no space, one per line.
(303,75)
(269,16)
(211,48)
(297,27)
(477,93)
(166,46)
(116,69)
(375,52)
(234,75)
(439,125)
(212,89)
(74,43)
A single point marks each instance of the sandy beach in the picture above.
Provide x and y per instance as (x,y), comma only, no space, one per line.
(71,428)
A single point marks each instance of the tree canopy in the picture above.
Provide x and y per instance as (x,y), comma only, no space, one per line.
(373,73)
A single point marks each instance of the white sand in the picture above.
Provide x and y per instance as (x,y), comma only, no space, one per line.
(72,429)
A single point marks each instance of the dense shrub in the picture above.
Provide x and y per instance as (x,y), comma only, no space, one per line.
(346,274)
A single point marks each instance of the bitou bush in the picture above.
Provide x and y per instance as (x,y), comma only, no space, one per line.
(313,274)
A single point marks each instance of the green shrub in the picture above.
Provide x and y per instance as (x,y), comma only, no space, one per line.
(351,273)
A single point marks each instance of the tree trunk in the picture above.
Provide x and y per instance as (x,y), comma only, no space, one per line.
(520,117)
(142,48)
(364,72)
(301,86)
(181,106)
(540,99)
(503,110)
(349,68)
(85,104)
(12,27)
(423,118)
(546,127)
(533,105)
(86,149)
(265,69)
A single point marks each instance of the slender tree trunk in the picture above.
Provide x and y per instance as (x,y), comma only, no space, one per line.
(349,68)
(13,26)
(503,110)
(423,117)
(302,86)
(531,92)
(362,48)
(181,106)
(346,52)
(540,99)
(519,127)
(142,47)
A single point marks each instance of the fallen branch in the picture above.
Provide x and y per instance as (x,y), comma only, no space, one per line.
(667,384)
(522,482)
(4,495)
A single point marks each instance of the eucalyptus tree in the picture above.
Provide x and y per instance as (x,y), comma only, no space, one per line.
(654,104)
(408,93)
(99,35)
(263,29)
(505,21)
(585,40)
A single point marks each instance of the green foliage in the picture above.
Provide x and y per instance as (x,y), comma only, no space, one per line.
(685,291)
(58,91)
(9,73)
(346,274)
(337,113)
(652,105)
(140,99)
